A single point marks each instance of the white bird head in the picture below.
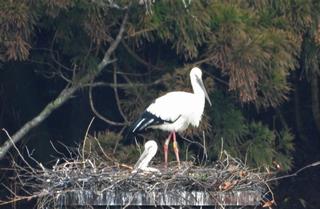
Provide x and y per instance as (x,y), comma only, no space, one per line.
(196,72)
(151,146)
(196,79)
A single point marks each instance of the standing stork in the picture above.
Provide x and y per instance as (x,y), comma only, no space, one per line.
(174,112)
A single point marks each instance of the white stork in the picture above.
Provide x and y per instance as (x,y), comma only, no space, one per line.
(175,111)
(150,150)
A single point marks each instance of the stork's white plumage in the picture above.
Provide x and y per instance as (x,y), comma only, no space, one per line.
(150,150)
(175,111)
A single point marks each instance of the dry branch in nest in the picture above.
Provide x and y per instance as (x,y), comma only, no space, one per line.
(83,181)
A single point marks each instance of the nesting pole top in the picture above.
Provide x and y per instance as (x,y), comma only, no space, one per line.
(221,184)
(160,198)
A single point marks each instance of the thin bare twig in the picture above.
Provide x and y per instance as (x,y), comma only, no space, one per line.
(315,164)
(205,155)
(16,148)
(56,150)
(94,110)
(221,148)
(192,141)
(115,89)
(85,137)
(103,152)
(138,58)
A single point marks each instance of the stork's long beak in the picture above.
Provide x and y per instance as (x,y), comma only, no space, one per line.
(204,89)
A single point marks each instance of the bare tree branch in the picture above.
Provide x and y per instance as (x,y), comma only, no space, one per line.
(124,85)
(315,164)
(106,60)
(65,94)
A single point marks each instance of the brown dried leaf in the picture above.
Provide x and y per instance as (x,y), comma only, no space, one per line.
(268,204)
(243,173)
(228,185)
(225,185)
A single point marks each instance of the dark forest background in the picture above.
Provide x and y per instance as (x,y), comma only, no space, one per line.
(64,62)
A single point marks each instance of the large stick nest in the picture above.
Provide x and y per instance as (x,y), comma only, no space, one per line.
(227,174)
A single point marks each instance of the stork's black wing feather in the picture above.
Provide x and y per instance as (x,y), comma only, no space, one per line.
(146,120)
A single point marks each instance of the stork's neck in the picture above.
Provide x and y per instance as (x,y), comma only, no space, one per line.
(197,90)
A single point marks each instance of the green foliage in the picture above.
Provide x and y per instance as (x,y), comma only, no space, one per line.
(284,149)
(268,148)
(228,124)
(252,43)
(259,145)
(253,142)
(185,29)
(247,51)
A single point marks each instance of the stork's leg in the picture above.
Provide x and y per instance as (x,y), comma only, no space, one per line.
(175,148)
(165,149)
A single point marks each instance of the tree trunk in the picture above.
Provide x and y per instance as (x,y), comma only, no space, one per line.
(297,110)
(315,100)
